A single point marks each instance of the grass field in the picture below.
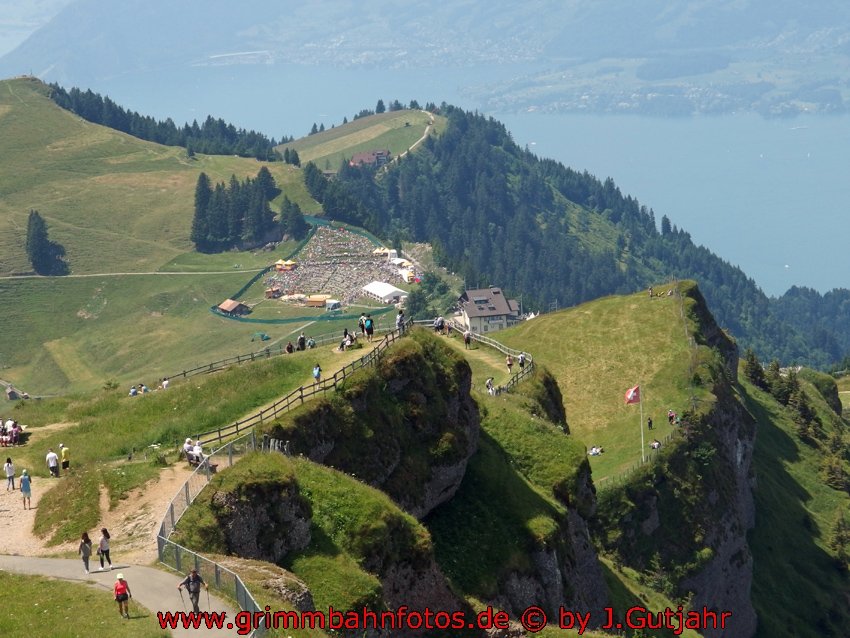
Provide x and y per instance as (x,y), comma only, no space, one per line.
(597,351)
(396,131)
(36,606)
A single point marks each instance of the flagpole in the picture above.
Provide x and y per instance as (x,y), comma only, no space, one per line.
(642,446)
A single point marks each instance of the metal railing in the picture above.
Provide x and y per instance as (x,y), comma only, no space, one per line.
(183,559)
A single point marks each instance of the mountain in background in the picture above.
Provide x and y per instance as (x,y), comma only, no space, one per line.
(660,57)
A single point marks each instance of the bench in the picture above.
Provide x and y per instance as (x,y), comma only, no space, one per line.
(194,461)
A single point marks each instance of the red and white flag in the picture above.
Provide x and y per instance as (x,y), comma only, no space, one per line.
(633,395)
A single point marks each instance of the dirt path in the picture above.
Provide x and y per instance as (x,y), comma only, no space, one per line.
(133,524)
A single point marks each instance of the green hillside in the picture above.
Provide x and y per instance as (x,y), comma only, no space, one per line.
(116,203)
(602,348)
(797,582)
(394,130)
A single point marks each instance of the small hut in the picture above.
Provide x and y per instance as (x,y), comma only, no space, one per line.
(233,307)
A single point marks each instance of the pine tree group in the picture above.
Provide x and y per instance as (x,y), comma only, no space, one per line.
(237,214)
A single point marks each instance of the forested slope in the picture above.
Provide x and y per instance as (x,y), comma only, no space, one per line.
(496,213)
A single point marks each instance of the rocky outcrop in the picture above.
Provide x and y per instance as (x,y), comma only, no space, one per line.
(408,427)
(567,573)
(265,526)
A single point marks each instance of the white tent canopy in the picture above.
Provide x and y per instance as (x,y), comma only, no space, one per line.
(384,292)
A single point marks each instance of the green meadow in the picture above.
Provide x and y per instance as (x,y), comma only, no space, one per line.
(396,131)
(599,350)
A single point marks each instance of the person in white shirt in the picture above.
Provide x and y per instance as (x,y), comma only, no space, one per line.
(52,462)
(198,451)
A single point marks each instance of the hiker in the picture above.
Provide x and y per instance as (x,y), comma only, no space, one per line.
(193,583)
(311,343)
(133,391)
(467,338)
(165,383)
(361,323)
(509,361)
(26,489)
(491,389)
(9,470)
(52,463)
(290,348)
(317,372)
(369,325)
(399,322)
(66,457)
(85,550)
(649,423)
(302,342)
(103,549)
(655,444)
(521,360)
(671,416)
(198,451)
(122,595)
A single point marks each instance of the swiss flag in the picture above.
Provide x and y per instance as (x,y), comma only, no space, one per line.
(633,395)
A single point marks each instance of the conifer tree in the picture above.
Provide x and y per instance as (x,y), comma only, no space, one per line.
(200,221)
(38,244)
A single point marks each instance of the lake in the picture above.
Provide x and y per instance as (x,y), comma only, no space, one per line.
(770,196)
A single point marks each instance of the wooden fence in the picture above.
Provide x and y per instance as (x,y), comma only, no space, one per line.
(301,394)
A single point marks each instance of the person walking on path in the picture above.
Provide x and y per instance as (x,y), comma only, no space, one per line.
(467,339)
(521,360)
(361,323)
(103,548)
(369,325)
(85,550)
(509,361)
(649,423)
(122,595)
(9,469)
(317,372)
(193,583)
(26,489)
(399,322)
(52,463)
(66,457)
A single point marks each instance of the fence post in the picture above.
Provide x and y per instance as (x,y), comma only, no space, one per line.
(230,455)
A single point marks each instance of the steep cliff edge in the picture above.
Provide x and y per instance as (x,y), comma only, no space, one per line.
(684,518)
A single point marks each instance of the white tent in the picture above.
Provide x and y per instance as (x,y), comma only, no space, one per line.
(384,292)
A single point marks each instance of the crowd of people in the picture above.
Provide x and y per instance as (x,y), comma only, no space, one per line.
(335,262)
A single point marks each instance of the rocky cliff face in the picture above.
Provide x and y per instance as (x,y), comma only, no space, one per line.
(565,574)
(266,524)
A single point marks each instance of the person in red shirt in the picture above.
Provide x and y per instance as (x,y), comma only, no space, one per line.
(122,596)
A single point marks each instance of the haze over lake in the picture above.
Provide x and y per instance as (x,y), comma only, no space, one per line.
(768,195)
